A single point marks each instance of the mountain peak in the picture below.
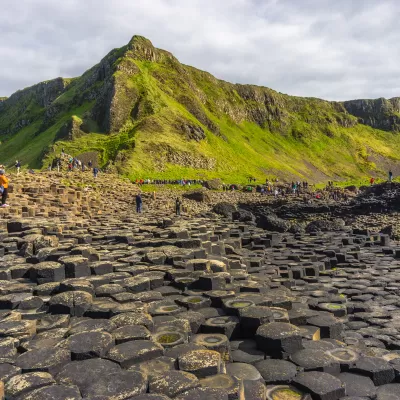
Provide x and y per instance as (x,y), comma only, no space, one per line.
(138,40)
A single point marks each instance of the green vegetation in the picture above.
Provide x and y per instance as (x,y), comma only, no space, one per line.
(152,117)
(168,338)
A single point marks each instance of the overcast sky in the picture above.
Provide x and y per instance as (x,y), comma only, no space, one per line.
(333,49)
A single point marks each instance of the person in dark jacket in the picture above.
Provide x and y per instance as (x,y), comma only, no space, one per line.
(178,205)
(139,203)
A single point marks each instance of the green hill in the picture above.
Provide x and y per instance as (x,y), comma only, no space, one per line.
(146,114)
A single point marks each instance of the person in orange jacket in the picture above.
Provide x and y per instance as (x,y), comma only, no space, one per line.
(4,185)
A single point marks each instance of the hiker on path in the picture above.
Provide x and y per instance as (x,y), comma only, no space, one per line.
(390,176)
(95,172)
(18,166)
(90,164)
(372,180)
(58,165)
(178,205)
(3,188)
(139,203)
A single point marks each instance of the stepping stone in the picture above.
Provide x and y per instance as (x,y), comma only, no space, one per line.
(229,384)
(133,352)
(85,373)
(358,385)
(117,385)
(173,383)
(216,341)
(133,318)
(388,392)
(148,396)
(311,360)
(7,371)
(131,332)
(245,372)
(20,385)
(200,363)
(203,393)
(75,266)
(49,360)
(379,370)
(321,385)
(47,271)
(59,392)
(224,325)
(17,329)
(72,303)
(251,318)
(330,327)
(277,338)
(156,366)
(276,372)
(87,345)
(92,325)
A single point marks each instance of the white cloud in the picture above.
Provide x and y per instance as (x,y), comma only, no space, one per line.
(322,48)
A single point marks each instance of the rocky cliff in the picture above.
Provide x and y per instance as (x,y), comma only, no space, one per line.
(150,115)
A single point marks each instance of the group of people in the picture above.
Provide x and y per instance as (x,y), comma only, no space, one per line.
(74,164)
(139,204)
(182,182)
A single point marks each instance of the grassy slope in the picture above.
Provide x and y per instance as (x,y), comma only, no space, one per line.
(304,140)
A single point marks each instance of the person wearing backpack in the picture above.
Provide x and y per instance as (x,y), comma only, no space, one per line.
(3,188)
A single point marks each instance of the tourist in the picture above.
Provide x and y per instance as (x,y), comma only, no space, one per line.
(139,203)
(58,165)
(95,172)
(390,176)
(90,164)
(178,206)
(18,166)
(372,180)
(3,188)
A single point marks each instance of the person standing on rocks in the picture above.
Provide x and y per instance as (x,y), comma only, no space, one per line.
(178,205)
(390,176)
(18,166)
(3,188)
(95,172)
(139,203)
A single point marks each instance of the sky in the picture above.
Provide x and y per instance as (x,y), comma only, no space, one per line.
(332,49)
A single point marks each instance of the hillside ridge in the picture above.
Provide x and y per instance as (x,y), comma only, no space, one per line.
(143,112)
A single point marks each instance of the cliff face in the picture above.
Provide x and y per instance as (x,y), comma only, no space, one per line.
(379,113)
(145,112)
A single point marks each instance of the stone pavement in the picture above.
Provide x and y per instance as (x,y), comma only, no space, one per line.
(98,302)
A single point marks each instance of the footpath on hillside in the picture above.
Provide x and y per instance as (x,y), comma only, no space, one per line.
(241,297)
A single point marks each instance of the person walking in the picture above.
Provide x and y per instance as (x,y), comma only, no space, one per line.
(95,172)
(390,176)
(139,203)
(3,188)
(178,205)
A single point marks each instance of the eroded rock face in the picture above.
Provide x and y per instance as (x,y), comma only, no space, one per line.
(378,113)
